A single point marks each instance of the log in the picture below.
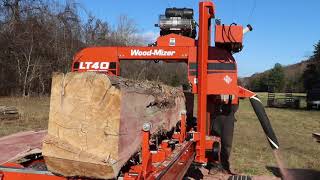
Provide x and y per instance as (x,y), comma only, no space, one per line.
(9,112)
(95,121)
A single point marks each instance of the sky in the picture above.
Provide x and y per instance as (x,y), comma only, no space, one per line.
(284,31)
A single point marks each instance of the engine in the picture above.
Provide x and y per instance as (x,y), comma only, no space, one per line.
(178,21)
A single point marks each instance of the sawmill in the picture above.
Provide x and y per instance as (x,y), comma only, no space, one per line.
(104,126)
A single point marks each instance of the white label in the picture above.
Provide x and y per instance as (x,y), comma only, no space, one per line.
(195,80)
(155,52)
(227,79)
(94,65)
(172,42)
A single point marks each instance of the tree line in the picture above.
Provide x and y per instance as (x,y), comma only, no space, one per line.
(38,37)
(272,80)
(311,76)
(277,80)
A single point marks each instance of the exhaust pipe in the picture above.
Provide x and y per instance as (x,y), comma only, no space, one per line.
(247,29)
(264,121)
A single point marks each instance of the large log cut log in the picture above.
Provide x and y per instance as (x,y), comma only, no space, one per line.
(95,121)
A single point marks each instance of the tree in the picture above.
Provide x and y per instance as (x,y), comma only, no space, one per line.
(276,78)
(311,75)
(38,37)
(294,83)
(316,52)
(272,80)
(259,83)
(35,40)
(97,32)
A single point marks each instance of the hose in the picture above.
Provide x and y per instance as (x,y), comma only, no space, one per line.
(264,121)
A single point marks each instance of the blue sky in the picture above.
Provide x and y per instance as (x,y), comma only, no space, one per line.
(284,30)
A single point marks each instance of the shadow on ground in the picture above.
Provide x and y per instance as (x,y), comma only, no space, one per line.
(297,174)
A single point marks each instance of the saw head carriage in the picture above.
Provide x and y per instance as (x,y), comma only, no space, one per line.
(178,42)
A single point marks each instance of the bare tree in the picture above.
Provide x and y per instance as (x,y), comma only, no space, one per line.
(38,37)
(35,42)
(96,32)
(125,32)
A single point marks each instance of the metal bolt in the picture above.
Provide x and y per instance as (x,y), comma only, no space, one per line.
(146,126)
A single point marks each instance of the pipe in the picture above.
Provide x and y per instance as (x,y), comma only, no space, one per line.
(247,29)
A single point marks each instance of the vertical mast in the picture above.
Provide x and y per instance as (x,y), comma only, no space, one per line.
(206,11)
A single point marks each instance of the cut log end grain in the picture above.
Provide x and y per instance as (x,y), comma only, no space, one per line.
(95,121)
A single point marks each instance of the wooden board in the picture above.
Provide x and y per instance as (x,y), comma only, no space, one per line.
(19,145)
(95,121)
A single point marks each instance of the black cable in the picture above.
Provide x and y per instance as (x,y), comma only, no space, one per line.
(230,33)
(223,33)
(241,47)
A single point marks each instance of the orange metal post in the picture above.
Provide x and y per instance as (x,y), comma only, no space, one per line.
(146,155)
(205,13)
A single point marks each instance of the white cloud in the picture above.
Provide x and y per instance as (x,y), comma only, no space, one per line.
(147,37)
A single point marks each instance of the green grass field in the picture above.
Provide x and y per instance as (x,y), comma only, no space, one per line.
(34,114)
(251,152)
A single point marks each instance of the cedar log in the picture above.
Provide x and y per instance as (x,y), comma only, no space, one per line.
(95,121)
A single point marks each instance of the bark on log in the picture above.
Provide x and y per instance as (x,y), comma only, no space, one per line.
(95,121)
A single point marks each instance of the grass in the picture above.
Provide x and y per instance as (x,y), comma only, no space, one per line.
(251,152)
(34,114)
